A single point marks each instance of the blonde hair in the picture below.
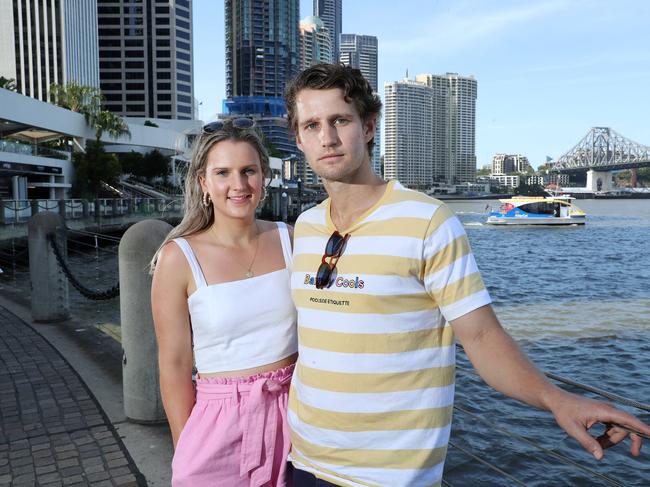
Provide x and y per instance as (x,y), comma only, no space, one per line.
(197,217)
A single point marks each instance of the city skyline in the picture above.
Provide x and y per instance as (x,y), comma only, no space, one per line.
(547,71)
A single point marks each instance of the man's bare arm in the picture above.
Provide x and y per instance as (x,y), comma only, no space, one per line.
(502,364)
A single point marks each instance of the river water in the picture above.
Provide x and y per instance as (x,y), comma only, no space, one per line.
(577,299)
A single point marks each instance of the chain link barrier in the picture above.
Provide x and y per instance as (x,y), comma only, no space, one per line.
(93,294)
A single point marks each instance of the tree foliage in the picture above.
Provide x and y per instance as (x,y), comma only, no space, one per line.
(525,189)
(87,100)
(92,168)
(8,83)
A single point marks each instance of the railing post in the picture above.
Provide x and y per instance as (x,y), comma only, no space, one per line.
(85,211)
(129,206)
(2,212)
(98,210)
(142,403)
(62,208)
(49,300)
(114,207)
(34,205)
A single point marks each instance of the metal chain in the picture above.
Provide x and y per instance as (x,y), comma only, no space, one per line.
(86,292)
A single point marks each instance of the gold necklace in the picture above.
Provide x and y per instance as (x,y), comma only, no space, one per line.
(249,269)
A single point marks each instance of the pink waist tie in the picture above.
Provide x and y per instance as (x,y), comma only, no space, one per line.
(260,421)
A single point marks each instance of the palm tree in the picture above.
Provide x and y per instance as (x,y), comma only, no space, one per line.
(8,83)
(83,99)
(106,121)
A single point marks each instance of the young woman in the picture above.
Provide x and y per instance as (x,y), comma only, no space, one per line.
(221,299)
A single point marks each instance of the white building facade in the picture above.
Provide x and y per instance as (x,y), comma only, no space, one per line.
(46,42)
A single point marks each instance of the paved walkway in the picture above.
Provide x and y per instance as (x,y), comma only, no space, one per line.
(52,430)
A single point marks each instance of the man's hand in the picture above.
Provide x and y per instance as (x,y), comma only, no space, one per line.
(576,414)
(500,362)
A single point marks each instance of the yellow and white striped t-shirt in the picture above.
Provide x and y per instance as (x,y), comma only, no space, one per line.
(371,399)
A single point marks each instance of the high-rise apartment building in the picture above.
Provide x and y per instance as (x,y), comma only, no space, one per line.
(46,42)
(331,13)
(145,57)
(409,124)
(315,43)
(459,153)
(262,46)
(262,55)
(509,163)
(446,145)
(360,51)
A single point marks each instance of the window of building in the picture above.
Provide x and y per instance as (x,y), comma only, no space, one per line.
(163,64)
(182,23)
(162,53)
(162,32)
(110,65)
(164,75)
(182,45)
(133,10)
(162,42)
(185,88)
(183,77)
(135,86)
(164,86)
(184,109)
(130,53)
(109,43)
(183,3)
(164,108)
(184,98)
(111,86)
(182,12)
(113,96)
(111,75)
(184,67)
(135,65)
(110,54)
(134,31)
(162,10)
(135,97)
(109,32)
(183,34)
(164,97)
(108,10)
(134,75)
(135,108)
(109,21)
(133,42)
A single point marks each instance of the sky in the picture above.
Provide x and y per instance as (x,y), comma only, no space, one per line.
(547,70)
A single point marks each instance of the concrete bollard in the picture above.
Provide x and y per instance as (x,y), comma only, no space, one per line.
(141,385)
(50,298)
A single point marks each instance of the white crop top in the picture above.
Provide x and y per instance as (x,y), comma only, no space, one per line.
(242,324)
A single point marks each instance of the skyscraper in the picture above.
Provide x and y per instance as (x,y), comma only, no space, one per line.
(262,55)
(262,46)
(445,144)
(331,13)
(360,51)
(315,43)
(145,52)
(48,42)
(408,122)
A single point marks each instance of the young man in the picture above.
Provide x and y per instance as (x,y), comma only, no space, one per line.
(383,280)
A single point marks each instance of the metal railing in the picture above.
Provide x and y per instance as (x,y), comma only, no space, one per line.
(34,150)
(20,211)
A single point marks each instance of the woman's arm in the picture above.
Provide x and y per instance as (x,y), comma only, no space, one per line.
(171,320)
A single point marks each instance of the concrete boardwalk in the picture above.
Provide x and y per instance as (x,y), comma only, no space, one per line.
(53,431)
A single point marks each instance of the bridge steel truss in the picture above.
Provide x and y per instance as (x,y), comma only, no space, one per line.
(603,149)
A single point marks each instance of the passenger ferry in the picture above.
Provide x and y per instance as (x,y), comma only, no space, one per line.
(537,210)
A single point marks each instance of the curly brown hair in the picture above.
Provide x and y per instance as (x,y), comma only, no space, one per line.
(356,90)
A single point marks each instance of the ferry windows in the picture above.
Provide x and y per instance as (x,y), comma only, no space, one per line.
(538,208)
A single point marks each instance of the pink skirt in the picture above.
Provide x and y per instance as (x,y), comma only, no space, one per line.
(237,433)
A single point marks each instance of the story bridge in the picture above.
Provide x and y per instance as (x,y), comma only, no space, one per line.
(600,152)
